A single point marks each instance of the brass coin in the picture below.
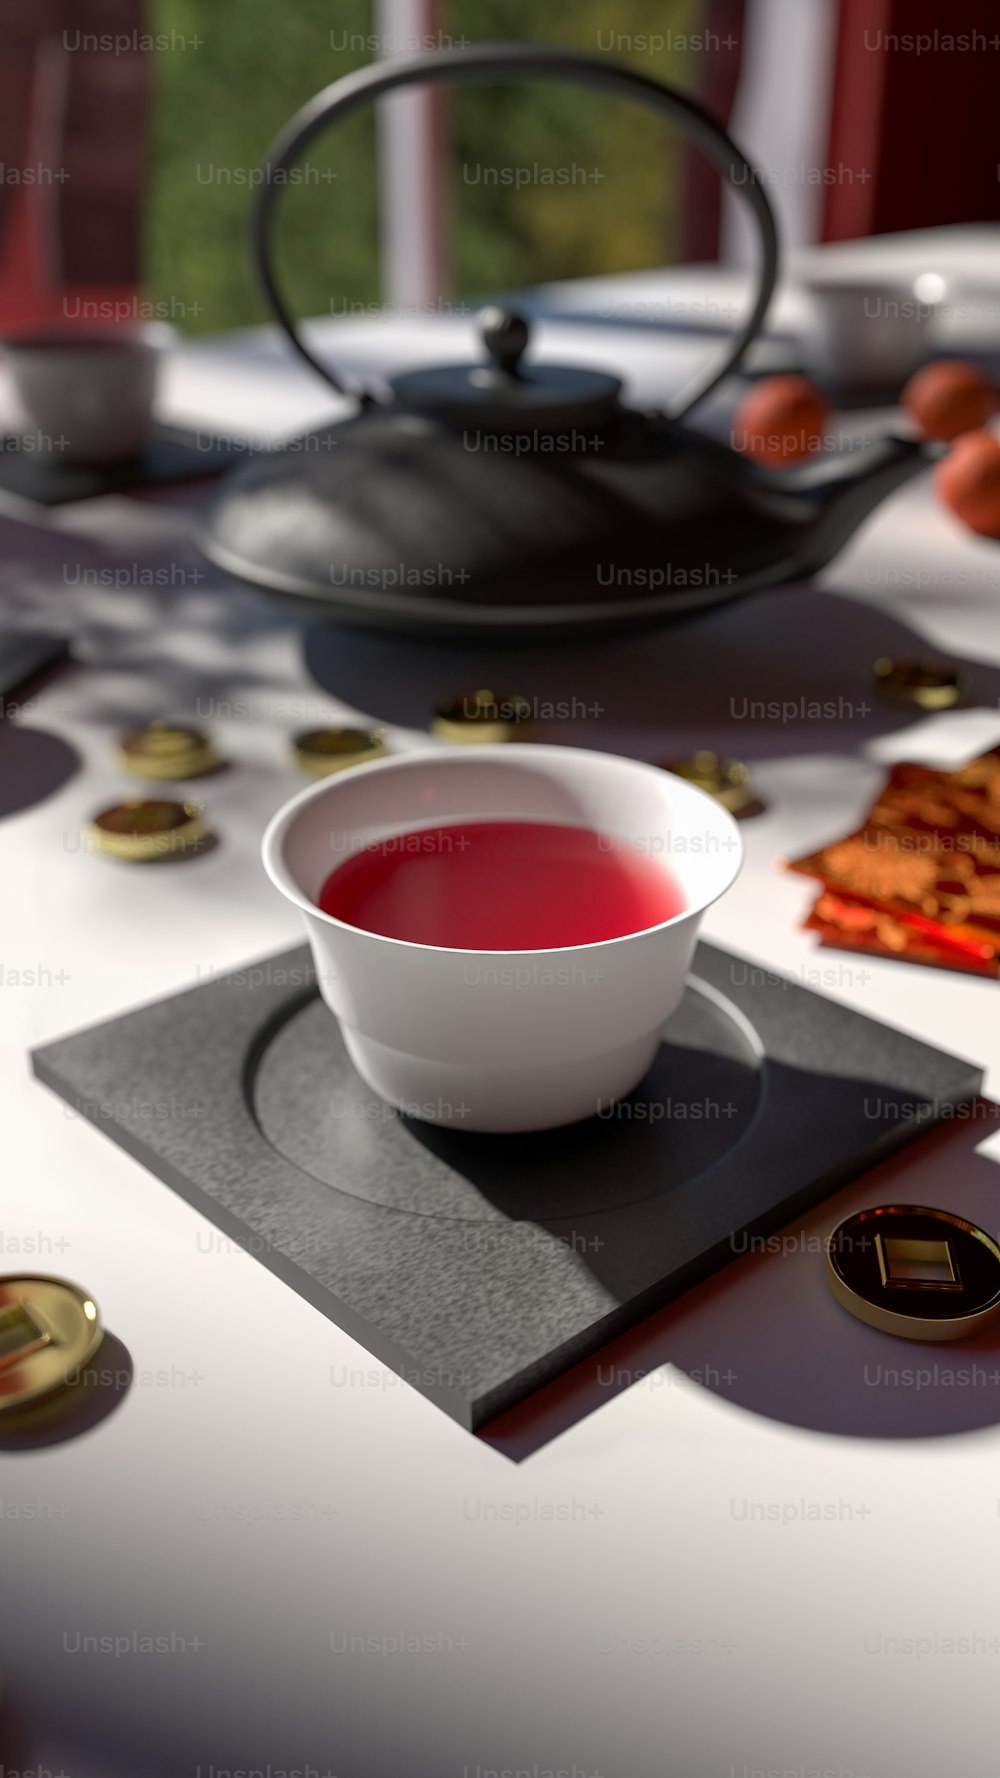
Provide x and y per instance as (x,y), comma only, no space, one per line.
(485,716)
(322,751)
(726,779)
(918,1273)
(139,831)
(164,751)
(930,685)
(49,1329)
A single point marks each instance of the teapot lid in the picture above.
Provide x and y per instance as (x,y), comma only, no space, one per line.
(505,395)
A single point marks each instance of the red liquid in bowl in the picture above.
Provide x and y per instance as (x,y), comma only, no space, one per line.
(503,886)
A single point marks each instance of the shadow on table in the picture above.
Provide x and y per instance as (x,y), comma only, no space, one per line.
(114,1748)
(766,1334)
(17,1751)
(69,1414)
(34,764)
(741,679)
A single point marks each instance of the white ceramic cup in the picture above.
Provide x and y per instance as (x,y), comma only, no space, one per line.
(867,335)
(502,1040)
(90,390)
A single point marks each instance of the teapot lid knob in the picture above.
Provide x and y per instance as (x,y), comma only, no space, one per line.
(506,395)
(505,334)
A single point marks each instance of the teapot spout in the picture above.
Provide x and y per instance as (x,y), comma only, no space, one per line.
(842,494)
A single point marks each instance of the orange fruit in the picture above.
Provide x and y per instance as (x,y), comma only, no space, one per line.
(949,398)
(781,420)
(968,480)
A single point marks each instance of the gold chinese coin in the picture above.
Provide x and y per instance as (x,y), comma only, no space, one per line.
(49,1329)
(139,831)
(917,1273)
(164,751)
(322,751)
(481,716)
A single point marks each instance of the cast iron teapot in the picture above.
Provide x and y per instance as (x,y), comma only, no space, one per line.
(509,498)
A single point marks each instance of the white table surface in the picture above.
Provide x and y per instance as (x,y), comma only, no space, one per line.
(590,1594)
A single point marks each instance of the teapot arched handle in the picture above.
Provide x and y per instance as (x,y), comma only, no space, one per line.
(486,62)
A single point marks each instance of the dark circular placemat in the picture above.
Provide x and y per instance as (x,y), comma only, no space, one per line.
(173,455)
(693,1107)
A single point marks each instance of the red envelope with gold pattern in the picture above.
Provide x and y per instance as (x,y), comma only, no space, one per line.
(921,878)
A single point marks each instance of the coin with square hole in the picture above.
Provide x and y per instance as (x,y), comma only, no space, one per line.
(49,1329)
(917,1273)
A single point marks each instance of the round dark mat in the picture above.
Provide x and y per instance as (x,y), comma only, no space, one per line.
(693,1107)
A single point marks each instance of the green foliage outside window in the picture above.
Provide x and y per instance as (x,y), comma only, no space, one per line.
(603,175)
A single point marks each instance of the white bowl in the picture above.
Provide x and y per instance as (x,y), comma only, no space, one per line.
(90,390)
(866,335)
(502,1040)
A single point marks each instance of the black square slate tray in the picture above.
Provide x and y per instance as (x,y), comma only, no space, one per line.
(479,1267)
